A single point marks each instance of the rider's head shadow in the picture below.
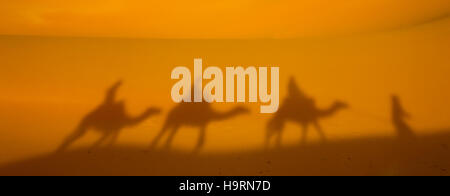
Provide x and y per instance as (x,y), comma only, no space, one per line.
(299,108)
(109,119)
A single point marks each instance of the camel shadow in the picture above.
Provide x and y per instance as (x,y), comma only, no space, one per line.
(301,109)
(399,117)
(110,118)
(193,114)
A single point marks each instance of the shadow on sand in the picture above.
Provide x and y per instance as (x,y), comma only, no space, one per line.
(406,154)
(109,118)
(399,117)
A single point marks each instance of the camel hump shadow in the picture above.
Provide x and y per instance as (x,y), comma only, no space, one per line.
(399,117)
(109,119)
(193,114)
(299,108)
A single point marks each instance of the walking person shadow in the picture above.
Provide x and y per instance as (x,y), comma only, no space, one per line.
(110,118)
(399,115)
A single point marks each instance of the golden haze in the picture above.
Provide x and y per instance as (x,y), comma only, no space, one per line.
(203,19)
(58,58)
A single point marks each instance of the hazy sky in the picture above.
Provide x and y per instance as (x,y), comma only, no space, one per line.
(211,18)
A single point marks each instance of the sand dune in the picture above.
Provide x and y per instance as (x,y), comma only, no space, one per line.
(428,155)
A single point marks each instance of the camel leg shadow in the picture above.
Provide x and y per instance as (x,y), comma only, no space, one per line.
(273,136)
(99,142)
(320,131)
(79,132)
(158,138)
(114,137)
(164,130)
(304,135)
(278,140)
(171,136)
(201,141)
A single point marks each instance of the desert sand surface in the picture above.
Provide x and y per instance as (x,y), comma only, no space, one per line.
(427,155)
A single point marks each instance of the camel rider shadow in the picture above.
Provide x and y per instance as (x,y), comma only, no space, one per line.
(299,108)
(193,114)
(109,119)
